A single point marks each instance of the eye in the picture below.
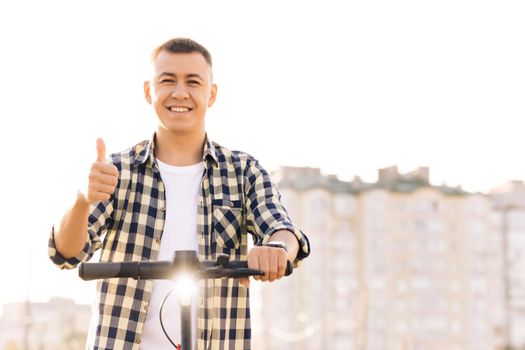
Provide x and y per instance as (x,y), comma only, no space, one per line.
(193,82)
(166,81)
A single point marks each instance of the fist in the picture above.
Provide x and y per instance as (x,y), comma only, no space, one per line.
(103,176)
(271,260)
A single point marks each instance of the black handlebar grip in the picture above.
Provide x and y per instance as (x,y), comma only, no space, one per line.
(289,268)
(90,272)
(136,270)
(244,264)
(156,270)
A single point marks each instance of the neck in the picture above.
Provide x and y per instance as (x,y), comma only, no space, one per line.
(179,149)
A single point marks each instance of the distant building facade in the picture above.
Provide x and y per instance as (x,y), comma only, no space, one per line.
(59,324)
(397,264)
(509,202)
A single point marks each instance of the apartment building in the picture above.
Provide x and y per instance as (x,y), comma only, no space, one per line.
(396,264)
(509,224)
(318,307)
(59,324)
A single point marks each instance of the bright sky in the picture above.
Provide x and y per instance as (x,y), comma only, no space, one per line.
(348,87)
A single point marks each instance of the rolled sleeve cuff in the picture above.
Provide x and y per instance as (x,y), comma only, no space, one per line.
(59,260)
(304,244)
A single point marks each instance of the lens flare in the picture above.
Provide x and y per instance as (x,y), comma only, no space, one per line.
(185,287)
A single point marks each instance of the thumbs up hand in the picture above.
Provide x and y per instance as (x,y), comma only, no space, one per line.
(103,176)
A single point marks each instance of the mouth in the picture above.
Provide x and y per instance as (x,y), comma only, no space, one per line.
(179,109)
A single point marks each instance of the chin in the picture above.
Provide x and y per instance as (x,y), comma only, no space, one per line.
(178,129)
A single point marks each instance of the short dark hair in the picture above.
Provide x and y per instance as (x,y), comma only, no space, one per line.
(182,45)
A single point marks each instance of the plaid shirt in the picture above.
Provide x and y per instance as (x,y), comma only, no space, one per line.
(236,198)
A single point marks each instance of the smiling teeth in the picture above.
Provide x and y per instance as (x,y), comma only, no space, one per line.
(179,109)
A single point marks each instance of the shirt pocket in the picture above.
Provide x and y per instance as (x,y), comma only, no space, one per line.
(227,219)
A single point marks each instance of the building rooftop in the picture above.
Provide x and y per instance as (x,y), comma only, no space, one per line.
(303,178)
(509,196)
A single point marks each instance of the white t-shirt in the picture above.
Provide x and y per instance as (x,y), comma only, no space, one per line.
(182,186)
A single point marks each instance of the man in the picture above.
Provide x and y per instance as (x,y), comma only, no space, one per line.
(177,191)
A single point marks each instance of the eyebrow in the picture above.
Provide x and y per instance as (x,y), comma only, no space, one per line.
(172,75)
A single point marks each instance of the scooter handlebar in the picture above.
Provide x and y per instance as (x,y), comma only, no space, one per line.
(167,269)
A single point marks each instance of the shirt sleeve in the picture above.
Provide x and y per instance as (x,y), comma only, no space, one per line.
(265,213)
(100,221)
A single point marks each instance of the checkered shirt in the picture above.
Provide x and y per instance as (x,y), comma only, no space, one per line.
(236,198)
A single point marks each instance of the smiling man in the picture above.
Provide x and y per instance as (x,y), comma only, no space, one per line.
(177,191)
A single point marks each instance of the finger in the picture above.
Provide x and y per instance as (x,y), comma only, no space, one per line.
(273,266)
(110,180)
(112,170)
(105,168)
(97,177)
(101,150)
(245,281)
(281,266)
(253,263)
(101,188)
(98,197)
(264,266)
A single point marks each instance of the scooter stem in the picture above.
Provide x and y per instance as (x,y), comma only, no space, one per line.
(185,327)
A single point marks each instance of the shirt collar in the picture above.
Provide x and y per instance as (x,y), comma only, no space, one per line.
(210,152)
(145,151)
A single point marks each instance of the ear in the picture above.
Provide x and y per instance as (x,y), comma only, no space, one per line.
(213,95)
(147,91)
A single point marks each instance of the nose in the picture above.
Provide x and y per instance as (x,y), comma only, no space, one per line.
(179,92)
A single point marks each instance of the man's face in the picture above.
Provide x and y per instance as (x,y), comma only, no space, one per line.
(180,90)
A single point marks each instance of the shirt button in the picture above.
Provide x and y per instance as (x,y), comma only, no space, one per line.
(162,209)
(231,204)
(138,341)
(157,240)
(146,307)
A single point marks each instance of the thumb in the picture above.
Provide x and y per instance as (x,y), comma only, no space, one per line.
(245,281)
(101,150)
